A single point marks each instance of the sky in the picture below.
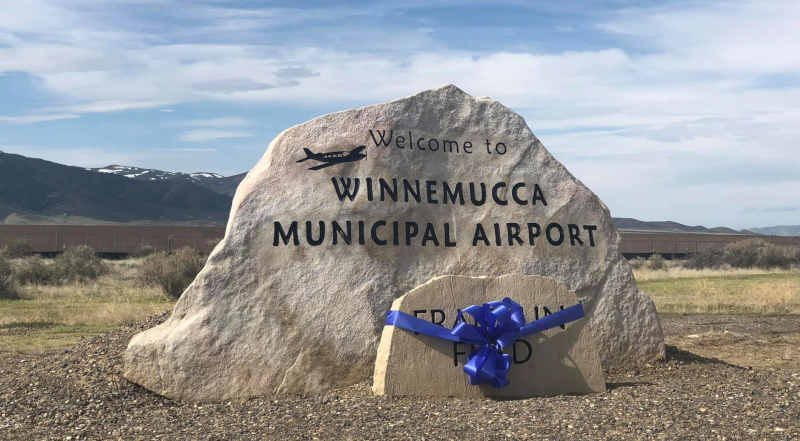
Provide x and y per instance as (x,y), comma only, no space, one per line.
(686,111)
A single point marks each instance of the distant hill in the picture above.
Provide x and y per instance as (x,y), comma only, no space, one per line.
(34,187)
(35,191)
(212,181)
(226,185)
(628,224)
(780,230)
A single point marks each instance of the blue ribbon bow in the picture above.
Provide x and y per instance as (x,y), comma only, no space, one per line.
(498,325)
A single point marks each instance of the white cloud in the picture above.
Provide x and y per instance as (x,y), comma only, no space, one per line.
(705,88)
(209,135)
(105,106)
(743,36)
(186,150)
(214,122)
(29,119)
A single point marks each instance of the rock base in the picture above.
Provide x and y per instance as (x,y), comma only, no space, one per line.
(554,362)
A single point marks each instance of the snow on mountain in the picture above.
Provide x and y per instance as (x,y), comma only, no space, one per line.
(212,181)
(206,175)
(144,174)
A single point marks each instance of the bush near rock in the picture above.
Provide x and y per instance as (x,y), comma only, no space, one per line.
(7,287)
(637,262)
(173,273)
(211,244)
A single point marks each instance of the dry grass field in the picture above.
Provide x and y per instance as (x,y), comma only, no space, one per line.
(48,317)
(732,291)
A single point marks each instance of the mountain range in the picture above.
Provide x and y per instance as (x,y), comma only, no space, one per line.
(35,190)
(780,230)
(628,224)
(38,191)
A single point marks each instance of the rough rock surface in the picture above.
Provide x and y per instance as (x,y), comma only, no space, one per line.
(550,363)
(265,319)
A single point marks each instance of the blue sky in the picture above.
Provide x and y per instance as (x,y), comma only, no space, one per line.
(685,111)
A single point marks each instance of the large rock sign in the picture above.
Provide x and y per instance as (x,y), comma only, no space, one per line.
(553,362)
(349,211)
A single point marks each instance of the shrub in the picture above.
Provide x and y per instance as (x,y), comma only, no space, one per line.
(637,262)
(79,264)
(744,253)
(34,270)
(212,243)
(144,251)
(17,248)
(771,255)
(173,273)
(657,262)
(704,259)
(7,288)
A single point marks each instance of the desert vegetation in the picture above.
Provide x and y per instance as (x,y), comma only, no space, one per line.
(53,302)
(47,303)
(746,277)
(171,272)
(750,253)
(79,264)
(724,291)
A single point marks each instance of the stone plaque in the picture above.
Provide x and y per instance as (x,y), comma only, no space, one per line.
(349,211)
(553,362)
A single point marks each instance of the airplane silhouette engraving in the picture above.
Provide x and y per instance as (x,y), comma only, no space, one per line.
(332,158)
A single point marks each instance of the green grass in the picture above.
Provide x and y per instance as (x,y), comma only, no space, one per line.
(40,336)
(725,293)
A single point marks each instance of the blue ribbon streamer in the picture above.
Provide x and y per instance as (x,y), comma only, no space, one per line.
(498,325)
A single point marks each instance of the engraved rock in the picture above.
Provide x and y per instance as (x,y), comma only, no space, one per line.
(552,362)
(347,212)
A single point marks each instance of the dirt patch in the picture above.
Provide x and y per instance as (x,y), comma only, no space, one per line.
(698,393)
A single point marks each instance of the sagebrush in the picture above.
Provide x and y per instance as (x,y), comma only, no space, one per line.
(79,264)
(7,287)
(749,253)
(657,262)
(144,251)
(173,273)
(76,264)
(212,243)
(17,248)
(637,262)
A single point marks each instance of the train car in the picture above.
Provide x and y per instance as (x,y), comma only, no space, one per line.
(111,239)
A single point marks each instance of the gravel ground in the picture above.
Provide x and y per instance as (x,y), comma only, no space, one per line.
(79,394)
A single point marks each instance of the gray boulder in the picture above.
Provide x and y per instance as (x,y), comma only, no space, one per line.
(446,184)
